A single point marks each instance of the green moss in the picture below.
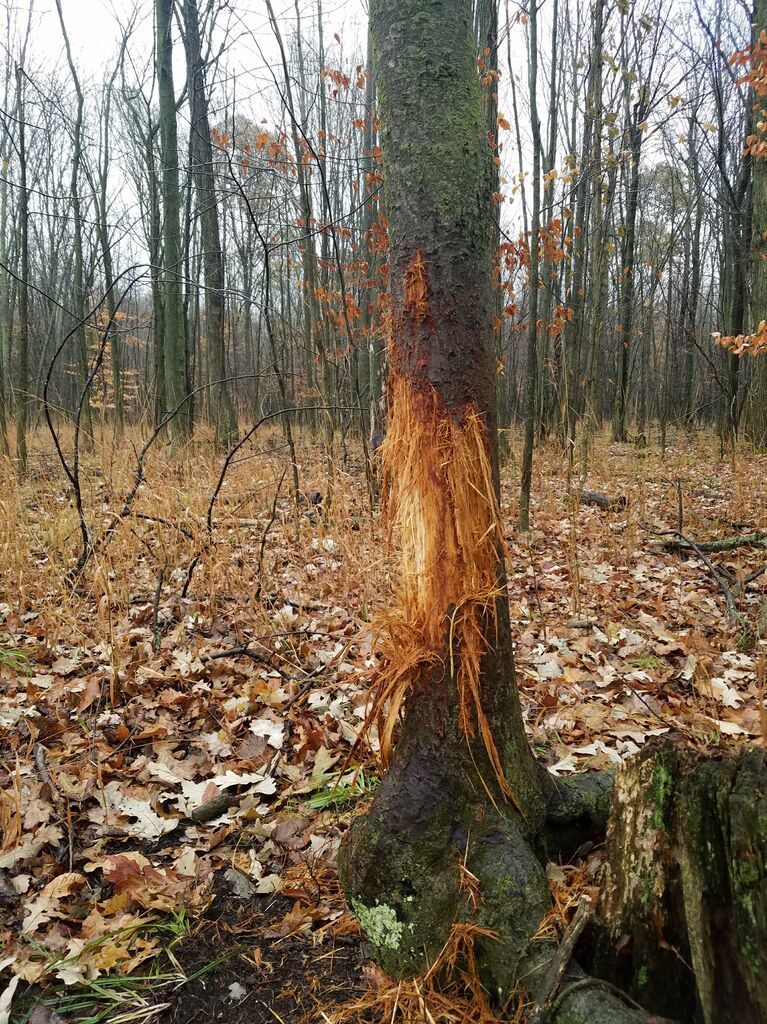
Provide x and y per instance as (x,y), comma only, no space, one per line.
(648,890)
(647,662)
(403,889)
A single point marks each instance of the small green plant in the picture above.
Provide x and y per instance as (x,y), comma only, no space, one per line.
(342,788)
(16,660)
(647,663)
(176,926)
(745,641)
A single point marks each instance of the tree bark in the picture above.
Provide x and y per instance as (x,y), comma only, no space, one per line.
(755,413)
(79,311)
(463,786)
(220,408)
(463,797)
(683,916)
(531,376)
(634,129)
(22,359)
(174,355)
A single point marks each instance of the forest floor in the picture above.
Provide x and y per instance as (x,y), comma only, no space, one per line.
(179,751)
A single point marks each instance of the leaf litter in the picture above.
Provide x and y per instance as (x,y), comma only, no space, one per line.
(162,753)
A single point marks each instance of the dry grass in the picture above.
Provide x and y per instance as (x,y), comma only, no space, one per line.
(449,992)
(40,540)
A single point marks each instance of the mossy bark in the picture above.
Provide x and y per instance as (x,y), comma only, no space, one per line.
(683,918)
(755,418)
(460,829)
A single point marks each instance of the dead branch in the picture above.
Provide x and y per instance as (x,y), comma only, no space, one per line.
(752,540)
(686,543)
(603,501)
(544,1005)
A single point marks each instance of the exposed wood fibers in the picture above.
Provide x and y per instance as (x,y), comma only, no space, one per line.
(441,502)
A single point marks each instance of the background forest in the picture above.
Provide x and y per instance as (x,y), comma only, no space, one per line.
(180,223)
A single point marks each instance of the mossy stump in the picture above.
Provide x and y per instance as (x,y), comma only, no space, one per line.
(682,924)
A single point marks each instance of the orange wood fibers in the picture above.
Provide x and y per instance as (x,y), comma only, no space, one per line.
(417,289)
(449,993)
(441,502)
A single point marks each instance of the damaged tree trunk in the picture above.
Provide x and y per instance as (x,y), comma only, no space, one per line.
(465,817)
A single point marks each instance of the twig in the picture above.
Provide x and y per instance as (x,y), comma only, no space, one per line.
(544,1005)
(599,983)
(214,808)
(157,635)
(752,540)
(245,651)
(42,770)
(732,610)
(265,534)
(308,684)
(165,522)
(761,673)
(680,507)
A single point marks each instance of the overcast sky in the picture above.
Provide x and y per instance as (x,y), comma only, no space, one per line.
(93,27)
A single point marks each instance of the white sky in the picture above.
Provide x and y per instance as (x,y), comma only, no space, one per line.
(93,28)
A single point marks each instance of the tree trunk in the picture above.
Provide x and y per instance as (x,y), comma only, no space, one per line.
(174,355)
(634,132)
(587,181)
(106,257)
(5,308)
(220,408)
(531,376)
(370,212)
(683,916)
(80,312)
(755,413)
(692,296)
(22,359)
(159,401)
(464,817)
(552,343)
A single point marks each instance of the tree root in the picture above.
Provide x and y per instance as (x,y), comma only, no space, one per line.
(681,925)
(577,812)
(430,854)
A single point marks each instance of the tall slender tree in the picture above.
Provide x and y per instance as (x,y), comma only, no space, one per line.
(174,345)
(450,839)
(79,312)
(221,410)
(22,360)
(531,374)
(755,422)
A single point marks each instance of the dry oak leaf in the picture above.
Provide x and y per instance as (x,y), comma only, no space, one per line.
(47,836)
(193,794)
(132,815)
(47,905)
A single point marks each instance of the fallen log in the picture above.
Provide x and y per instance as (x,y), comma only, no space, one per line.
(603,501)
(752,540)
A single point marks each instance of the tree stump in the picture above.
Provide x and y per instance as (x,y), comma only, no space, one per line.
(683,916)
